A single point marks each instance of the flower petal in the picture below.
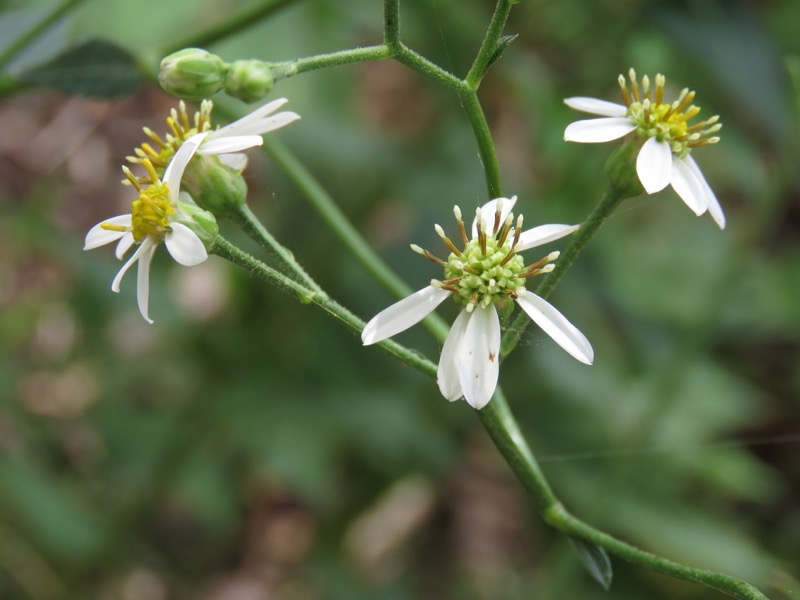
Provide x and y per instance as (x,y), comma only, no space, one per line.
(237,162)
(230,144)
(272,123)
(143,282)
(654,165)
(554,324)
(688,187)
(488,210)
(258,121)
(403,314)
(124,245)
(543,234)
(174,171)
(184,246)
(447,373)
(596,107)
(714,209)
(478,360)
(593,131)
(143,247)
(98,236)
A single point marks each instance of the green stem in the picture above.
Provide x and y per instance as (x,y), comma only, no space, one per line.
(332,59)
(245,218)
(34,32)
(498,421)
(415,61)
(612,198)
(483,136)
(391,23)
(344,230)
(489,45)
(233,25)
(228,251)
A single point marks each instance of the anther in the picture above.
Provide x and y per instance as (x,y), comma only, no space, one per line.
(428,255)
(504,230)
(132,178)
(498,210)
(623,89)
(481,232)
(462,232)
(446,240)
(645,87)
(660,83)
(634,84)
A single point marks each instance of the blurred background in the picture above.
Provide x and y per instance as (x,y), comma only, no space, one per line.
(245,447)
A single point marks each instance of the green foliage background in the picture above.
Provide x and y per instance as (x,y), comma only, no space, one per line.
(245,446)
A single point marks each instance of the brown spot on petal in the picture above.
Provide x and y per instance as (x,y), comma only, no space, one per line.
(491,356)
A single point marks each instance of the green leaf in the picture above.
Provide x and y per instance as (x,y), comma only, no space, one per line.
(501,46)
(93,68)
(595,559)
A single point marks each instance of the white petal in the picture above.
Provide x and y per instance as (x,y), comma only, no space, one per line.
(554,324)
(98,236)
(403,314)
(593,131)
(688,187)
(596,107)
(478,359)
(143,282)
(272,123)
(654,165)
(184,246)
(714,209)
(250,123)
(143,247)
(226,145)
(543,234)
(124,245)
(488,210)
(174,171)
(447,373)
(237,162)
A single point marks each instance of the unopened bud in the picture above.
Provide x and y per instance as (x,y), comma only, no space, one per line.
(215,186)
(249,80)
(200,221)
(192,73)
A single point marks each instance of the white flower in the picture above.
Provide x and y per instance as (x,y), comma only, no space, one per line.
(153,219)
(226,142)
(664,158)
(485,272)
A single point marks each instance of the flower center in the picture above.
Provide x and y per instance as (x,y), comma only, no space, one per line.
(666,121)
(150,213)
(487,269)
(182,127)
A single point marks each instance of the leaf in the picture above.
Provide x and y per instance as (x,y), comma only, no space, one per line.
(94,68)
(595,559)
(501,46)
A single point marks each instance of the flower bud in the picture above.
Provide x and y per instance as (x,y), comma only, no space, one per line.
(214,186)
(200,221)
(192,73)
(249,80)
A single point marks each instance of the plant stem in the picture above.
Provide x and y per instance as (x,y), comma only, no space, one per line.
(34,32)
(391,23)
(489,45)
(611,200)
(333,59)
(498,421)
(245,218)
(233,25)
(483,137)
(228,251)
(344,230)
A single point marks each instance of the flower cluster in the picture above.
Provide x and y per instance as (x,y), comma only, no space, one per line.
(668,137)
(486,272)
(161,212)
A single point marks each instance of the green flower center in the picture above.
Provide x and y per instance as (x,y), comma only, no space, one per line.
(487,270)
(666,121)
(485,277)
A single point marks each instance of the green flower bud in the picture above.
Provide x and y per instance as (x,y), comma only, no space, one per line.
(621,169)
(249,80)
(200,221)
(215,186)
(192,73)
